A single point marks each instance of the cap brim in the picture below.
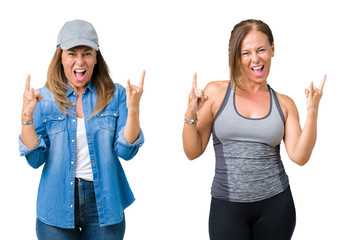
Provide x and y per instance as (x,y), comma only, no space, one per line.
(78,42)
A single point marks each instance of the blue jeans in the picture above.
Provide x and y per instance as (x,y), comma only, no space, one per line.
(86,220)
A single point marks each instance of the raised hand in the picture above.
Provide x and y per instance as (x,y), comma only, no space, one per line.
(197,98)
(30,99)
(314,95)
(134,93)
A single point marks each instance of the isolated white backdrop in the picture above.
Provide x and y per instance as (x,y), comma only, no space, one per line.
(171,40)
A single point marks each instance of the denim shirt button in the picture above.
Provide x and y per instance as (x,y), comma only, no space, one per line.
(72,140)
(72,162)
(73,120)
(71,183)
(90,140)
(71,205)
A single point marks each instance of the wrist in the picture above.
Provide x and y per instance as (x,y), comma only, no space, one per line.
(26,119)
(312,112)
(190,121)
(190,115)
(133,111)
(30,122)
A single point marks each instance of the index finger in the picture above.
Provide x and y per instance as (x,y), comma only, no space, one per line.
(27,84)
(141,83)
(323,82)
(194,81)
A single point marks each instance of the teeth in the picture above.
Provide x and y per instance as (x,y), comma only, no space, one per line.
(257,68)
(79,70)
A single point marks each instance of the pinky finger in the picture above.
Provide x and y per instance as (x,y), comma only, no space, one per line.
(306,91)
(128,84)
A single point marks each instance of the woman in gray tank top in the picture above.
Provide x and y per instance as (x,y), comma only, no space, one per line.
(251,197)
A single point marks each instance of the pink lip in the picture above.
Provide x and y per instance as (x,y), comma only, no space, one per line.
(256,73)
(259,75)
(79,79)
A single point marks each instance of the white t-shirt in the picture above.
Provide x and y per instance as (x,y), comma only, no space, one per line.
(83,168)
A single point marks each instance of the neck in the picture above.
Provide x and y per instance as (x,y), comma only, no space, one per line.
(248,89)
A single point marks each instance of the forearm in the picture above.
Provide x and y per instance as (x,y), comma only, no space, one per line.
(307,140)
(132,128)
(28,134)
(192,143)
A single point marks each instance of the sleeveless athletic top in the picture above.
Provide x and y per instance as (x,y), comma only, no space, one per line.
(247,150)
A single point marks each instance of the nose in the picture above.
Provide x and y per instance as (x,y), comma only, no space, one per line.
(80,60)
(255,58)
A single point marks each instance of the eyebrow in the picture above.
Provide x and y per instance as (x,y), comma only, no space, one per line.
(244,50)
(87,49)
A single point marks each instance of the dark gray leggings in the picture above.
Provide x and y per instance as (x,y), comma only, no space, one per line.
(269,219)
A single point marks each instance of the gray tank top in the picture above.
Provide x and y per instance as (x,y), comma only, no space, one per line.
(248,163)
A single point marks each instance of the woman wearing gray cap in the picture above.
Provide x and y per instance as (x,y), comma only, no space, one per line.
(251,197)
(77,126)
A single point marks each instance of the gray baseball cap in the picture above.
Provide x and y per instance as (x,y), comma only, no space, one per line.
(77,33)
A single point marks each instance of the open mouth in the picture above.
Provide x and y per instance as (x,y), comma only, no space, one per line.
(79,74)
(258,70)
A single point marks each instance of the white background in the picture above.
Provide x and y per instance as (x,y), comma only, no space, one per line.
(171,40)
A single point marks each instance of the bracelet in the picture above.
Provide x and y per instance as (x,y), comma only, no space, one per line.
(27,123)
(190,122)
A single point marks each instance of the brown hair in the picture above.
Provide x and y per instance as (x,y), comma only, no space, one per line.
(237,35)
(57,83)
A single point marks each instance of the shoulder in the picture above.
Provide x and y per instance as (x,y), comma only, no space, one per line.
(47,95)
(119,97)
(119,88)
(285,100)
(287,105)
(48,105)
(216,92)
(119,91)
(215,88)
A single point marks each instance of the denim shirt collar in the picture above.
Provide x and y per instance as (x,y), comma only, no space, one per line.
(90,87)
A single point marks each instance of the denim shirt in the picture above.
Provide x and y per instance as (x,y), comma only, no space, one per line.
(56,149)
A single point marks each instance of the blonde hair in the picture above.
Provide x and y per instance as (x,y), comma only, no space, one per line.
(237,35)
(57,83)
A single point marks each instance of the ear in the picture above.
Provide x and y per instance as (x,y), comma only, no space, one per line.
(273,49)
